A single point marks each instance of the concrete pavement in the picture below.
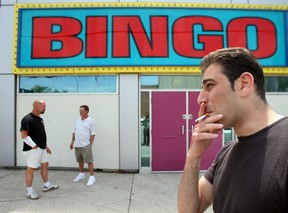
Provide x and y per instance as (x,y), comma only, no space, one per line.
(113,192)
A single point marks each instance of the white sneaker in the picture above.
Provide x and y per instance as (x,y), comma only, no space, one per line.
(91,181)
(32,195)
(79,177)
(50,187)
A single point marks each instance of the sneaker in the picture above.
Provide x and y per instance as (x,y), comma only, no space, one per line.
(49,188)
(32,195)
(79,177)
(91,181)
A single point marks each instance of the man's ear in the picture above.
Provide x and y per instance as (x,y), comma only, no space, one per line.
(245,83)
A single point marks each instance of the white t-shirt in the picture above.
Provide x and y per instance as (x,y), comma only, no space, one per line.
(83,131)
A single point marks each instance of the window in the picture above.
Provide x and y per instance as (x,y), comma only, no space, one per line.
(68,84)
(171,82)
(228,135)
(272,83)
(276,84)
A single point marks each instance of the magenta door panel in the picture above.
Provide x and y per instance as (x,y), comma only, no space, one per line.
(168,131)
(212,151)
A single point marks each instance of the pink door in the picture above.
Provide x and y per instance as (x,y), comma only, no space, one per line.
(168,131)
(173,115)
(212,151)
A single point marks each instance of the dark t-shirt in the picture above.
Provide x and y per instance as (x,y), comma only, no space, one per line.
(251,174)
(35,127)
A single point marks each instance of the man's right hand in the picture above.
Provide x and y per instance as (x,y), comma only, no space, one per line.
(195,195)
(204,133)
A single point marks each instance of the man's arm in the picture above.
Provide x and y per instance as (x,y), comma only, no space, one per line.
(24,134)
(92,137)
(194,195)
(92,131)
(72,141)
(26,138)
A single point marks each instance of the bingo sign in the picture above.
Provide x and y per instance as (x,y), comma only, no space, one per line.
(143,37)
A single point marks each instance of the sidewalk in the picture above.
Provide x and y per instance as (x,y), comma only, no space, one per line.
(113,192)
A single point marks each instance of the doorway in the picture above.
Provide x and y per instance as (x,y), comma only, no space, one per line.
(172,120)
(145,133)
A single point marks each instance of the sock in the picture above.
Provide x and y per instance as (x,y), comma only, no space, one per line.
(30,189)
(47,184)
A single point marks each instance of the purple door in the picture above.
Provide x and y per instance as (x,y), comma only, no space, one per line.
(212,151)
(168,131)
(172,116)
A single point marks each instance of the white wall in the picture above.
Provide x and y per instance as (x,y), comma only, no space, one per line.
(129,121)
(6,38)
(59,119)
(7,88)
(278,102)
(57,1)
(7,114)
(8,2)
(284,2)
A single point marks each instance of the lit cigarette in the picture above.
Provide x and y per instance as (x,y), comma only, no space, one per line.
(201,118)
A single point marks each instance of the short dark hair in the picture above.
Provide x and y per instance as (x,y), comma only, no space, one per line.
(235,61)
(85,107)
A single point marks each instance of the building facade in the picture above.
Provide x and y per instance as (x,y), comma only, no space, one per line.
(134,67)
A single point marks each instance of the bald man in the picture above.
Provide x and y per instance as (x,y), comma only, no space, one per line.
(35,148)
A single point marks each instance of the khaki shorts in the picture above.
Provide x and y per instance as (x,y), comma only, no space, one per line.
(84,153)
(34,157)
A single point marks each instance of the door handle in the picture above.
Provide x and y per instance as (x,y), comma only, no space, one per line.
(183,130)
(191,130)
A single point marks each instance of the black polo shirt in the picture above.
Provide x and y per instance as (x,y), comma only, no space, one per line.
(34,125)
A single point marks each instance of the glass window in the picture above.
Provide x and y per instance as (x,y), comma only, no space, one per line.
(68,84)
(272,83)
(228,135)
(171,82)
(276,83)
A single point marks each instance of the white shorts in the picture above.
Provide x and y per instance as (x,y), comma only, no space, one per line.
(36,156)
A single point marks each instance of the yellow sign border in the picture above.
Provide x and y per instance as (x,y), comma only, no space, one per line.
(134,69)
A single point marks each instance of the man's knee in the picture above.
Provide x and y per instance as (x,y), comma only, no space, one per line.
(44,166)
(90,164)
(30,170)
